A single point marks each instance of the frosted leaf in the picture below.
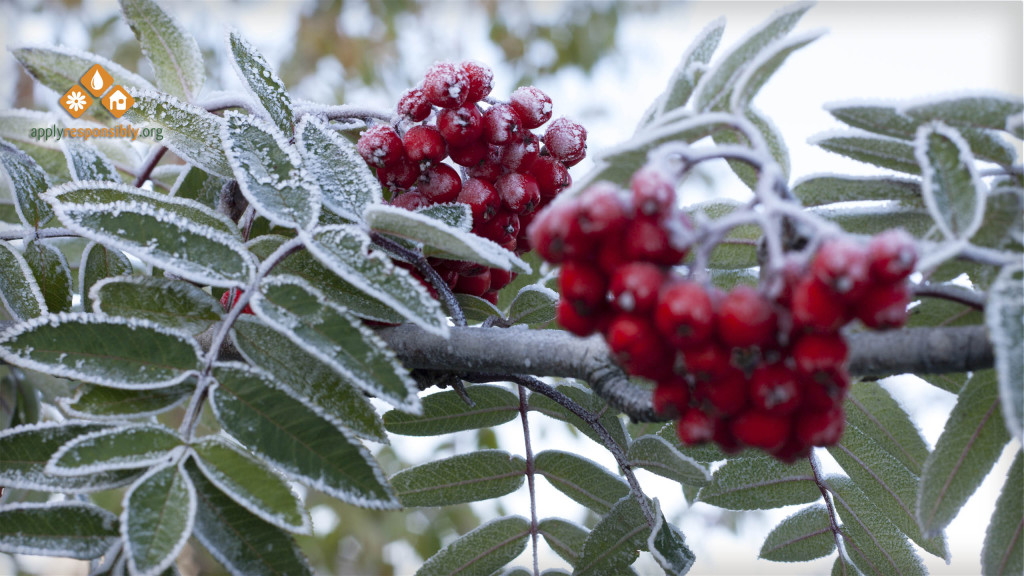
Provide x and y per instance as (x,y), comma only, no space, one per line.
(821,189)
(269,172)
(877,218)
(978,109)
(68,529)
(251,483)
(503,540)
(761,68)
(19,291)
(262,82)
(345,250)
(328,332)
(668,545)
(60,67)
(165,301)
(109,351)
(951,186)
(178,235)
(29,182)
(1004,316)
(16,127)
(682,81)
(455,214)
(124,448)
(99,262)
(887,152)
(615,541)
(157,519)
(52,274)
(196,184)
(190,131)
(170,48)
(88,163)
(113,404)
(534,305)
(346,183)
(659,456)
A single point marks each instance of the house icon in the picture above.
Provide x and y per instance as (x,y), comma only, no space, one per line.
(118,100)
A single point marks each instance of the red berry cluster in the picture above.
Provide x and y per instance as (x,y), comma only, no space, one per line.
(739,368)
(506,171)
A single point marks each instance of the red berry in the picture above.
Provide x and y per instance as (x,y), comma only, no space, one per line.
(603,210)
(501,123)
(635,287)
(727,394)
(724,437)
(551,175)
(549,229)
(424,144)
(460,126)
(410,201)
(774,389)
(399,176)
(518,192)
(842,265)
(646,240)
(491,296)
(817,352)
(532,105)
(501,229)
(480,78)
(501,278)
(792,450)
(637,346)
(685,314)
(695,427)
(892,256)
(671,396)
(766,431)
(489,168)
(708,361)
(519,154)
(572,320)
(653,192)
(583,284)
(746,318)
(446,85)
(380,146)
(884,306)
(611,254)
(471,155)
(815,306)
(566,140)
(824,390)
(440,183)
(820,429)
(482,198)
(414,105)
(227,295)
(474,285)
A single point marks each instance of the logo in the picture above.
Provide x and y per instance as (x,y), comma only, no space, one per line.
(97,81)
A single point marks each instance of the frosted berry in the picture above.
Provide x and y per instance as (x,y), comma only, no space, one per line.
(766,431)
(892,256)
(549,230)
(424,144)
(685,314)
(410,201)
(816,306)
(501,229)
(695,427)
(470,155)
(635,286)
(603,210)
(400,176)
(814,353)
(746,318)
(482,198)
(551,175)
(480,78)
(842,265)
(446,85)
(519,154)
(566,140)
(774,389)
(584,284)
(440,183)
(414,105)
(380,146)
(500,123)
(653,193)
(518,192)
(460,126)
(532,105)
(884,306)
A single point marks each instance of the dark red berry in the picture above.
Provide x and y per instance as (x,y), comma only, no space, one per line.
(726,394)
(380,146)
(892,256)
(816,306)
(227,296)
(647,241)
(695,427)
(566,140)
(708,361)
(584,284)
(518,192)
(532,105)
(482,198)
(814,353)
(480,78)
(824,390)
(501,229)
(746,318)
(440,183)
(820,429)
(884,306)
(414,105)
(410,201)
(635,287)
(460,126)
(766,431)
(501,123)
(636,345)
(550,228)
(653,192)
(474,285)
(424,144)
(572,320)
(471,155)
(552,177)
(603,210)
(400,176)
(671,397)
(501,278)
(774,389)
(446,85)
(842,265)
(519,154)
(491,296)
(685,314)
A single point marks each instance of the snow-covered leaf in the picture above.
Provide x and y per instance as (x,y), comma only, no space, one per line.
(190,131)
(19,291)
(760,483)
(328,332)
(68,529)
(29,182)
(297,439)
(481,551)
(251,483)
(952,189)
(99,262)
(57,68)
(979,110)
(874,219)
(655,454)
(87,163)
(614,543)
(157,519)
(109,351)
(476,309)
(262,82)
(199,185)
(582,395)
(178,235)
(310,379)
(581,479)
(52,273)
(170,48)
(668,546)
(883,151)
(1004,316)
(564,537)
(345,250)
(684,78)
(17,126)
(166,301)
(345,181)
(874,412)
(1003,551)
(534,305)
(441,240)
(245,544)
(472,477)
(102,403)
(269,172)
(454,214)
(446,412)
(969,446)
(801,537)
(761,68)
(717,85)
(25,450)
(124,448)
(823,189)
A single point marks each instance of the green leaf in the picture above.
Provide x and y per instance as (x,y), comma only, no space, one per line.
(655,454)
(109,351)
(581,479)
(310,379)
(979,110)
(19,291)
(454,214)
(25,450)
(87,163)
(345,180)
(1003,551)
(951,187)
(871,220)
(875,413)
(668,546)
(189,131)
(345,250)
(262,81)
(582,395)
(99,262)
(199,185)
(820,190)
(165,301)
(757,73)
(469,477)
(534,305)
(26,129)
(238,539)
(888,483)
(29,182)
(564,537)
(727,255)
(760,483)
(250,483)
(61,67)
(481,551)
(446,412)
(716,87)
(178,235)
(801,537)
(1004,317)
(875,545)
(939,312)
(123,448)
(878,150)
(68,529)
(328,332)
(476,309)
(684,78)
(269,172)
(170,48)
(52,273)
(773,140)
(614,543)
(969,446)
(297,439)
(157,519)
(102,403)
(951,383)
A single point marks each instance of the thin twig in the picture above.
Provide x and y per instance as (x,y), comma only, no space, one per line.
(147,167)
(419,261)
(833,521)
(530,475)
(951,292)
(20,233)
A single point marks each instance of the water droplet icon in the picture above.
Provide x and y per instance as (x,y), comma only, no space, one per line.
(97,81)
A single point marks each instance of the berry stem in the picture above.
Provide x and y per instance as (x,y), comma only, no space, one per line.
(417,259)
(530,475)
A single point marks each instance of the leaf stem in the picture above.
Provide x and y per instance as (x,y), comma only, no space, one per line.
(833,521)
(530,475)
(147,167)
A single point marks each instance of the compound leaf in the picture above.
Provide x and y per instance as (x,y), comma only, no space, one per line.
(191,132)
(1003,551)
(157,519)
(345,181)
(614,543)
(262,81)
(1004,317)
(952,189)
(123,448)
(19,291)
(655,454)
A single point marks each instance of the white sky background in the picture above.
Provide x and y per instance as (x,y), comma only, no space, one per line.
(891,50)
